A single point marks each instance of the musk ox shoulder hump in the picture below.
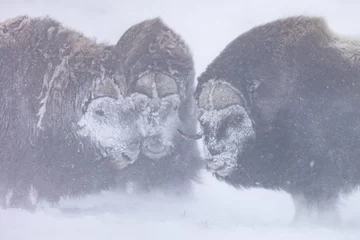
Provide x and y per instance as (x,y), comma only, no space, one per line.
(46,33)
(288,31)
(274,40)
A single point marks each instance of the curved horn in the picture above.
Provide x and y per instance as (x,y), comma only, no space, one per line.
(75,127)
(196,136)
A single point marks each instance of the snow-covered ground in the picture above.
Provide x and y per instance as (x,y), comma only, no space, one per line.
(215,211)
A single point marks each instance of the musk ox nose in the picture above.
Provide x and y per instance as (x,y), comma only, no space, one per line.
(155,104)
(154,145)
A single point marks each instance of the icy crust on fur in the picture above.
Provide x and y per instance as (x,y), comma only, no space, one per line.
(161,122)
(121,125)
(231,144)
(110,124)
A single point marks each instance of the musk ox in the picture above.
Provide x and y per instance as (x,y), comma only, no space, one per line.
(69,123)
(160,76)
(51,78)
(279,108)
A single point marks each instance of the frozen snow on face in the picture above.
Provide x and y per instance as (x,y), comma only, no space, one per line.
(156,98)
(158,119)
(226,125)
(226,132)
(112,126)
(216,211)
(120,128)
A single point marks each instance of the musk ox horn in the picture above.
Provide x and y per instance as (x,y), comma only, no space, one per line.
(151,46)
(106,87)
(75,127)
(196,136)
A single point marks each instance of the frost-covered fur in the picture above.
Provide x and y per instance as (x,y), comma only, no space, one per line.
(159,70)
(68,125)
(49,74)
(280,110)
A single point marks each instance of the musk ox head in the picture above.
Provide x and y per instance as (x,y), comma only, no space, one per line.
(226,124)
(63,106)
(159,72)
(244,91)
(111,125)
(74,88)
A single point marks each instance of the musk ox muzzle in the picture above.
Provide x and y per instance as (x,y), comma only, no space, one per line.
(155,147)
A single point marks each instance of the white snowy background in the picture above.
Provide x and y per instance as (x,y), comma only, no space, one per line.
(215,211)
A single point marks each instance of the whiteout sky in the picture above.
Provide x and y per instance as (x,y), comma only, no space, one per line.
(215,211)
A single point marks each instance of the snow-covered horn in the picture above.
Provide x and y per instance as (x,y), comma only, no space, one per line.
(106,86)
(218,94)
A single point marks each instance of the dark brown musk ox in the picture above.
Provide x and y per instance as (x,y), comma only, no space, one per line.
(51,78)
(160,76)
(67,125)
(279,108)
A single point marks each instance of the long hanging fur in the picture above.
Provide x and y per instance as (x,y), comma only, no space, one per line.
(50,76)
(296,84)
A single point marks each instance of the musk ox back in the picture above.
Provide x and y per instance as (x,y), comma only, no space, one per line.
(280,109)
(68,126)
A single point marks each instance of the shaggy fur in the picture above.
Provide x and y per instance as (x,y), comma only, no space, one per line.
(48,72)
(280,110)
(168,62)
(68,125)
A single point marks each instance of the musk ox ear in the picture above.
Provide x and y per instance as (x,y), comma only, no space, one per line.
(253,86)
(151,46)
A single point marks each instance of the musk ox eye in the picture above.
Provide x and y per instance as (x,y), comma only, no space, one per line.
(100,112)
(83,109)
(230,121)
(170,106)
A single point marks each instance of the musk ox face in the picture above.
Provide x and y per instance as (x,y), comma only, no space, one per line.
(111,125)
(227,128)
(159,69)
(144,123)
(155,96)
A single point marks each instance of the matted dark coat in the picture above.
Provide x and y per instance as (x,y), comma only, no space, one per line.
(67,125)
(280,109)
(160,76)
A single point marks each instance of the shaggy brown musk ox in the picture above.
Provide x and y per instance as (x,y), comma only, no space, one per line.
(160,76)
(68,126)
(279,108)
